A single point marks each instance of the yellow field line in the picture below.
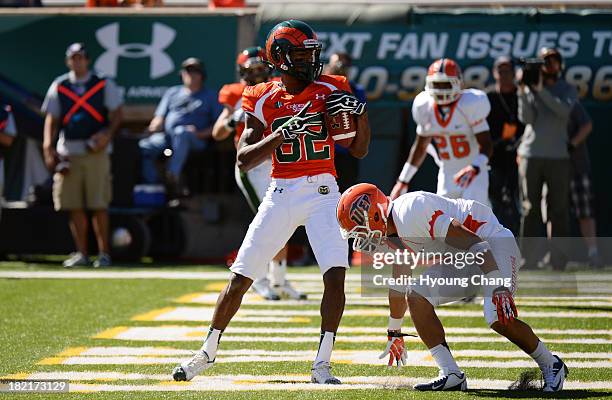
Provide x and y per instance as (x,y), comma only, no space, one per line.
(111,333)
(18,375)
(188,298)
(72,352)
(215,286)
(151,315)
(52,361)
(299,320)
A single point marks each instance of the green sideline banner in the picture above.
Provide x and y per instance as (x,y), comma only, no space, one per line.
(142,53)
(391,58)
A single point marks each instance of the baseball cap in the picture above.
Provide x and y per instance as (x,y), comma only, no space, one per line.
(503,60)
(194,63)
(76,48)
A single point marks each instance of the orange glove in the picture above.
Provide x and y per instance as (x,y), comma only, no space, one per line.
(396,349)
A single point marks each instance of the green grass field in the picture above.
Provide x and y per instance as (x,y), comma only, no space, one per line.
(120,338)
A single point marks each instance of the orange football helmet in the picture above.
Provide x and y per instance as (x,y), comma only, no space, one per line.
(362,215)
(443,81)
(253,66)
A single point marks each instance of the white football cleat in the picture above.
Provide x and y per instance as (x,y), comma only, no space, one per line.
(454,381)
(262,288)
(322,374)
(189,369)
(288,290)
(554,376)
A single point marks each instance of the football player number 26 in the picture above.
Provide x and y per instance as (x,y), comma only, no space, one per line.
(459,145)
(291,149)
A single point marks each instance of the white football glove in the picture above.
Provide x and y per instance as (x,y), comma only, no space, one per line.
(340,101)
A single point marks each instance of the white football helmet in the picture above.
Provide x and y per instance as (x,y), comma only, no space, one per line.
(444,81)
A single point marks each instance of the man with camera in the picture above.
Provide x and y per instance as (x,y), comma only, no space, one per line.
(545,101)
(85,109)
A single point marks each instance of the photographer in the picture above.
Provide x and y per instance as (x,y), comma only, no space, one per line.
(544,106)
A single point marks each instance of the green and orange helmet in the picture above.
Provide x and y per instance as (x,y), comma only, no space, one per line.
(253,66)
(293,48)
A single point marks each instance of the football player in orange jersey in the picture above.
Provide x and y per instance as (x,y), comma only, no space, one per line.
(253,69)
(303,189)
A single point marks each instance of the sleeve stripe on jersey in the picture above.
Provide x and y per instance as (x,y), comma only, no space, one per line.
(329,85)
(432,222)
(258,113)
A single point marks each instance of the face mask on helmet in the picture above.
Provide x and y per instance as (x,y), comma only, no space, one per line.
(443,88)
(364,238)
(303,63)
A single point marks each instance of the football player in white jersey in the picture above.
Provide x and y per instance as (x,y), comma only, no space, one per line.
(456,120)
(421,219)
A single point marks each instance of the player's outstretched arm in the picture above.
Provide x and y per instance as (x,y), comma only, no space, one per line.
(359,147)
(252,149)
(417,155)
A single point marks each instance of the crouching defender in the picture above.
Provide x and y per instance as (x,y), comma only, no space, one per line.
(285,120)
(367,215)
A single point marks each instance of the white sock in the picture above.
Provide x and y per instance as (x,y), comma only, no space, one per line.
(211,343)
(326,345)
(278,272)
(543,356)
(443,357)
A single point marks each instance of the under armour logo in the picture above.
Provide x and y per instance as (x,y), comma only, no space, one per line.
(278,190)
(161,63)
(320,96)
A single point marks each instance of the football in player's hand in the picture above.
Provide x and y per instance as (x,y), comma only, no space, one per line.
(342,127)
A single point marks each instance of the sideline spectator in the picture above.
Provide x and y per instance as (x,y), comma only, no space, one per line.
(183,122)
(581,196)
(347,166)
(8,131)
(545,108)
(85,109)
(506,131)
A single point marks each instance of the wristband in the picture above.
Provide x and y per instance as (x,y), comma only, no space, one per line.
(480,161)
(407,173)
(488,289)
(395,324)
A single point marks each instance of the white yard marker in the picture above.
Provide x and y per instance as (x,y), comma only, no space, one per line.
(261,382)
(342,354)
(262,315)
(189,333)
(415,359)
(352,299)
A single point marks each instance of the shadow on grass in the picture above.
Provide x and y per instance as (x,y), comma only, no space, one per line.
(530,394)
